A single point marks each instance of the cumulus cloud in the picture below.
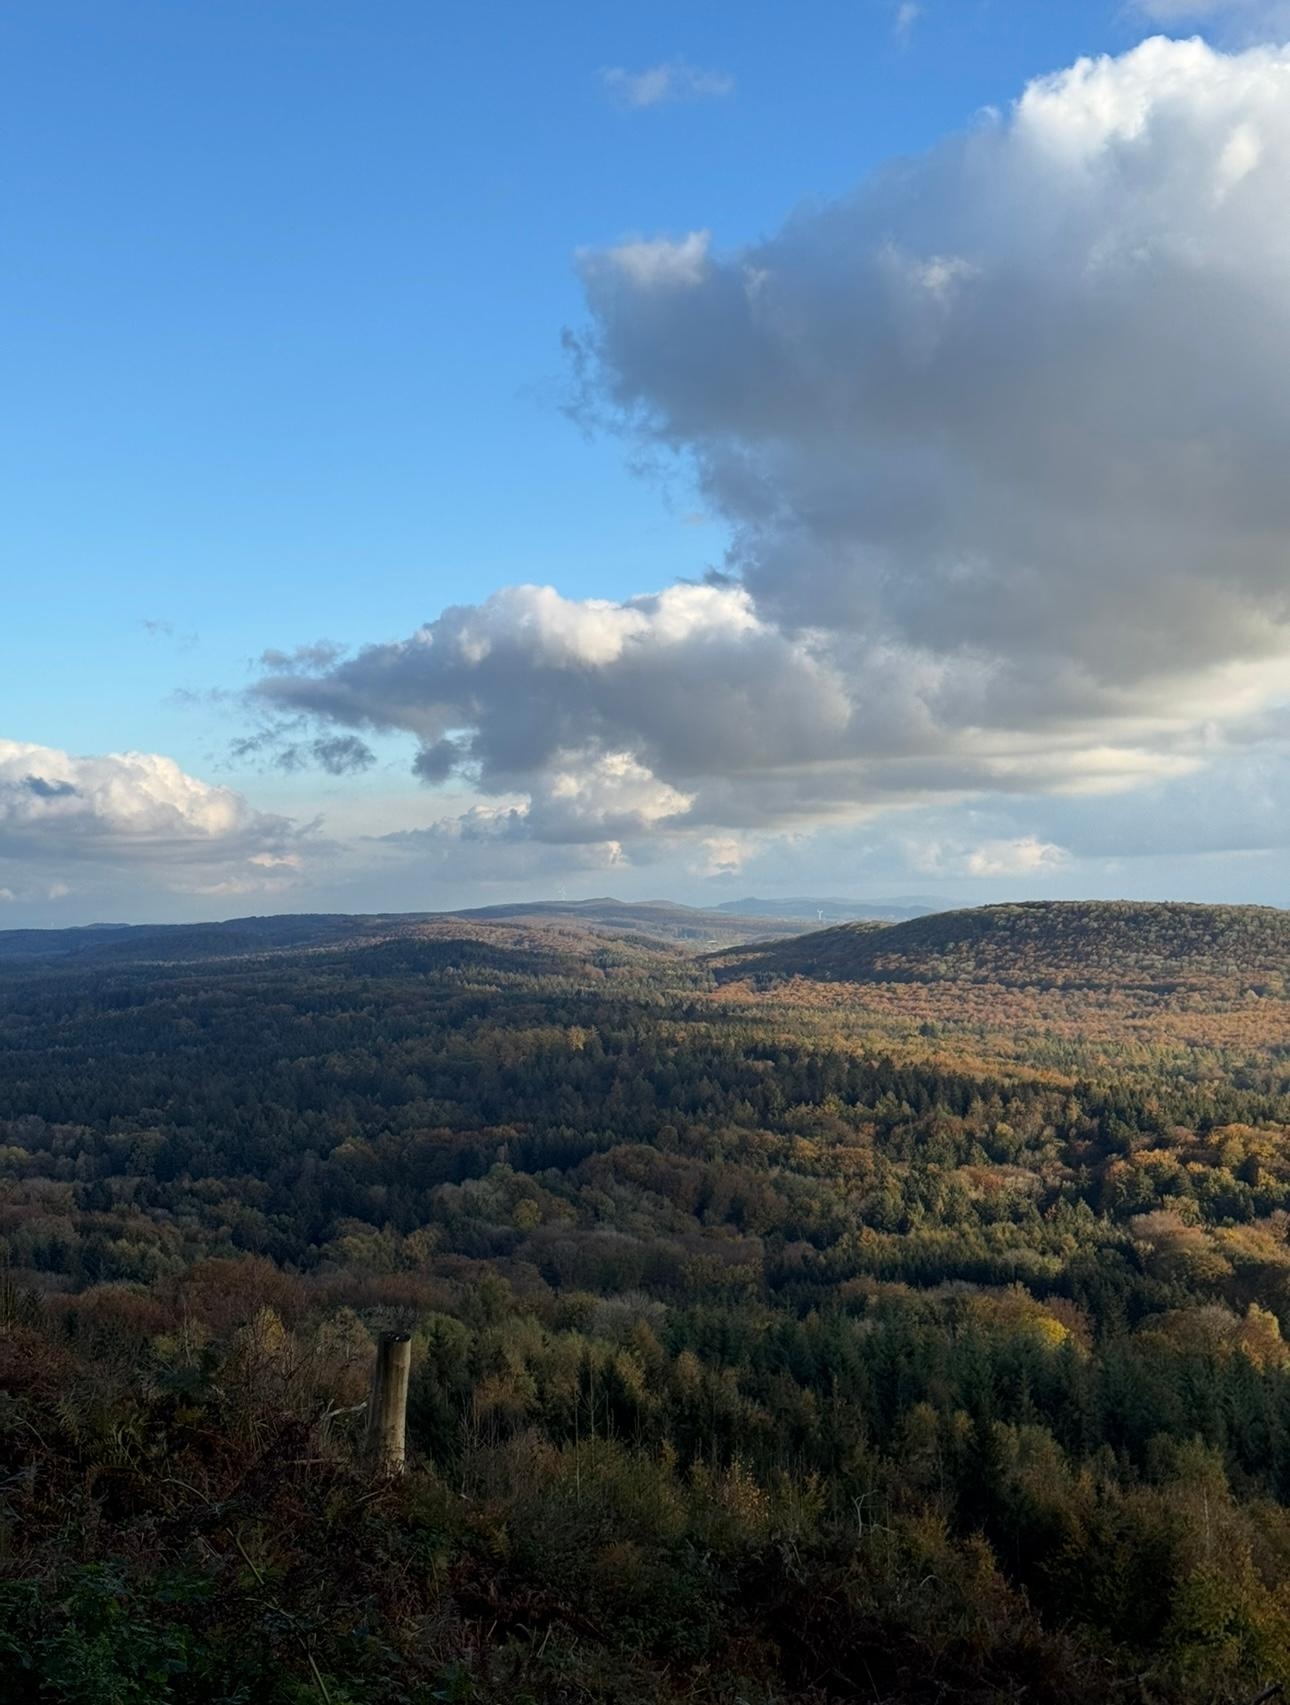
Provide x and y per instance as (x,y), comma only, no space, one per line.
(1000,443)
(657,85)
(721,856)
(999,404)
(1028,856)
(131,810)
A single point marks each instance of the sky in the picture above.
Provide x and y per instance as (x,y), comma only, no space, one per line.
(452,453)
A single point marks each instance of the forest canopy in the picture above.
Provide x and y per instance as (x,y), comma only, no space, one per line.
(890,1312)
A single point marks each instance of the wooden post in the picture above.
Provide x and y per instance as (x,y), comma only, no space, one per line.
(388,1405)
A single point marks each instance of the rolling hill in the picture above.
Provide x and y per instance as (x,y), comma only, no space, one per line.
(661,920)
(236,938)
(1044,944)
(108,944)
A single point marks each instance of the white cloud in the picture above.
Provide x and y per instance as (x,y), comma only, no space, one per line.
(133,800)
(132,804)
(657,263)
(722,855)
(63,815)
(596,796)
(1028,856)
(672,80)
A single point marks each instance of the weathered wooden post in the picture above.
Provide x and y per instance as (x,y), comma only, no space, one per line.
(387,1409)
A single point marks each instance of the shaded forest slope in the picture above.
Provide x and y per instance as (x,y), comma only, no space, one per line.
(235,938)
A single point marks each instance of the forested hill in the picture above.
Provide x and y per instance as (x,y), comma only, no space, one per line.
(125,943)
(1107,944)
(659,920)
(234,938)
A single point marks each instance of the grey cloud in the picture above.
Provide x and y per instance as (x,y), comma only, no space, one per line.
(320,655)
(276,743)
(342,754)
(1000,441)
(1220,832)
(506,686)
(494,846)
(268,741)
(1022,401)
(436,762)
(1239,805)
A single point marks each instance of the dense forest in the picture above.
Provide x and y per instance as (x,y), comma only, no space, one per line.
(888,1313)
(1078,944)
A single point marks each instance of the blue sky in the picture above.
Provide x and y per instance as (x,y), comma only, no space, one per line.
(282,295)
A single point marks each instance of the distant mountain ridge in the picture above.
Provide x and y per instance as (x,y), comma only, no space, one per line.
(827,909)
(107,944)
(663,920)
(1043,942)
